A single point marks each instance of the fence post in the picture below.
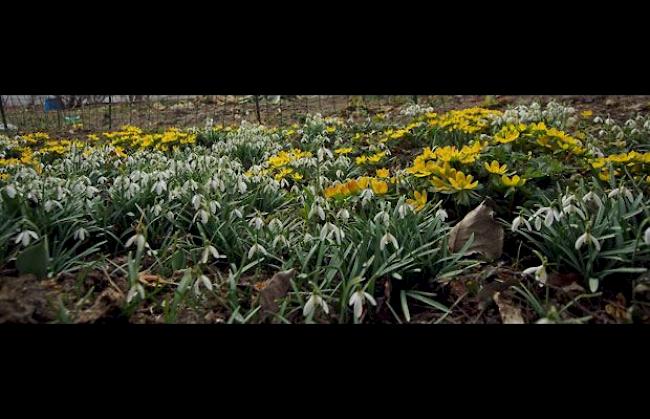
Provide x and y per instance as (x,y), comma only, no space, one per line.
(110,112)
(4,118)
(257,109)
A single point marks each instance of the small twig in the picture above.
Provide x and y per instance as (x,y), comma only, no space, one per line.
(444,316)
(108,277)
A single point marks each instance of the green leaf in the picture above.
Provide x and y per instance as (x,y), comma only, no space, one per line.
(178,260)
(405,306)
(34,259)
(428,301)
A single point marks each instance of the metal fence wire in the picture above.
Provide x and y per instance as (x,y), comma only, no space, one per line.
(102,112)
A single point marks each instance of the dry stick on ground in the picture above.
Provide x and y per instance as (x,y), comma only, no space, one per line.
(110,281)
(445,315)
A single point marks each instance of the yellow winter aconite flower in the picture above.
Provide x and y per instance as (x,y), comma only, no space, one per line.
(514,181)
(419,202)
(361,160)
(507,134)
(379,187)
(383,173)
(119,151)
(587,113)
(495,168)
(468,121)
(343,150)
(375,158)
(330,130)
(463,182)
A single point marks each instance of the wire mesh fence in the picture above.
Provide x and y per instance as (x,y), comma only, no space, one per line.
(95,113)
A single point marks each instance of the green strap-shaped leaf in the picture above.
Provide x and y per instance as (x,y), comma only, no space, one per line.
(34,260)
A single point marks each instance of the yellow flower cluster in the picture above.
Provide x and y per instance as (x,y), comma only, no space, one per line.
(541,135)
(355,186)
(428,163)
(468,121)
(419,202)
(638,164)
(283,158)
(279,165)
(371,159)
(134,138)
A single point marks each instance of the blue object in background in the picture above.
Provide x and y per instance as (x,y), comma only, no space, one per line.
(54,104)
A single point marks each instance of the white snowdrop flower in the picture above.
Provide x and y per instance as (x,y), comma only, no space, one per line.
(210,250)
(609,121)
(646,126)
(602,133)
(203,215)
(339,173)
(314,301)
(308,238)
(169,216)
(621,191)
(50,204)
(403,210)
(11,191)
(441,214)
(388,238)
(539,272)
(598,120)
(646,236)
(366,196)
(160,187)
(343,215)
(256,222)
(357,299)
(592,197)
(571,209)
(280,238)
(214,205)
(275,225)
(588,239)
(135,290)
(242,187)
(25,237)
(196,201)
(537,223)
(80,234)
(630,123)
(382,217)
(139,240)
(202,280)
(256,248)
(237,213)
(635,131)
(567,199)
(157,209)
(91,191)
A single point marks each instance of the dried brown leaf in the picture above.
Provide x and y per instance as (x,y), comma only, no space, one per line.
(273,289)
(488,233)
(509,313)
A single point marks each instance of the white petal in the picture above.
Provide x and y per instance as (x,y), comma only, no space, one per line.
(532,270)
(370,298)
(581,240)
(309,306)
(358,308)
(646,236)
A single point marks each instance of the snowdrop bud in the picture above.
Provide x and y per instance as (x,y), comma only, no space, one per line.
(343,214)
(11,191)
(441,214)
